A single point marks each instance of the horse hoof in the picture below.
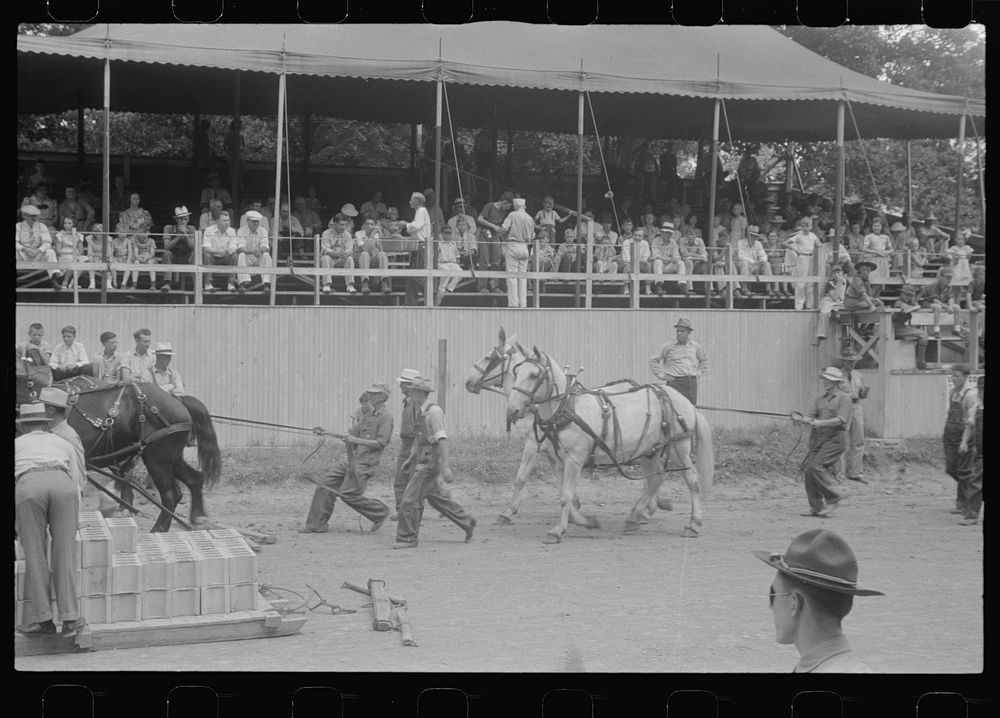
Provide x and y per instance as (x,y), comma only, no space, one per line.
(665,504)
(631,526)
(502,520)
(643,519)
(551,538)
(593,523)
(689,532)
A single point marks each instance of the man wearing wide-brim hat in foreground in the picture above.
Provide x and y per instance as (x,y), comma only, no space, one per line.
(829,418)
(681,362)
(430,458)
(812,593)
(47,473)
(370,433)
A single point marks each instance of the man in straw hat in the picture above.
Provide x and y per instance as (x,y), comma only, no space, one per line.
(253,249)
(421,230)
(370,433)
(407,432)
(56,403)
(857,389)
(829,418)
(165,376)
(431,456)
(812,593)
(47,473)
(179,241)
(680,362)
(907,304)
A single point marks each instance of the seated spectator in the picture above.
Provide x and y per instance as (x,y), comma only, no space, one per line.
(898,237)
(448,261)
(313,202)
(720,260)
(468,245)
(635,251)
(77,209)
(568,252)
(907,304)
(145,253)
(547,216)
(69,358)
(108,364)
(976,299)
(544,251)
(666,258)
(751,260)
(209,217)
(135,218)
(67,249)
(95,252)
(776,258)
(713,233)
(831,301)
(368,252)
(916,259)
(36,350)
(391,226)
(48,209)
(164,376)
(336,251)
(34,243)
(310,221)
(121,250)
(837,253)
(931,237)
(939,297)
(605,230)
(858,296)
(218,247)
(215,191)
(648,230)
(291,229)
(253,249)
(460,208)
(179,240)
(605,253)
(256,206)
(374,208)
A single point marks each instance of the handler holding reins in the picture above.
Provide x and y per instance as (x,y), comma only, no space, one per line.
(681,362)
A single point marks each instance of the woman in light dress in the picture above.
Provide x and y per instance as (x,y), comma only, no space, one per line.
(878,250)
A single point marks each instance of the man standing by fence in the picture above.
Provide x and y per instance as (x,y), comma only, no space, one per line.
(680,362)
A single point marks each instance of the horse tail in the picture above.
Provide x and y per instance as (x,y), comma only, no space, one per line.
(705,456)
(209,455)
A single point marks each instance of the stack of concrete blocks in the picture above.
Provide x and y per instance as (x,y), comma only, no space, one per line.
(127,576)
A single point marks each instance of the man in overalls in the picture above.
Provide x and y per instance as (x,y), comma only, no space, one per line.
(370,433)
(430,452)
(830,415)
(962,400)
(407,431)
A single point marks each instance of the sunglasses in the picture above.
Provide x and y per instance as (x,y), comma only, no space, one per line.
(772,594)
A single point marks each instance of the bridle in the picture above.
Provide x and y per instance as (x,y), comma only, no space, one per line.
(494,359)
(544,377)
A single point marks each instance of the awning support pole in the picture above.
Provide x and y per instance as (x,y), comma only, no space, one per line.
(838,204)
(429,290)
(909,185)
(275,219)
(712,175)
(982,185)
(958,177)
(236,160)
(580,227)
(109,226)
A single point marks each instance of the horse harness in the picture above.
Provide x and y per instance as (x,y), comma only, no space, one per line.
(104,439)
(565,414)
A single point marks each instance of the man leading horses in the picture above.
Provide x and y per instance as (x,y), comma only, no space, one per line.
(681,362)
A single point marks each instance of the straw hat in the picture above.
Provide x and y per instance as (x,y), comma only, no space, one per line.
(30,210)
(378,388)
(415,195)
(819,558)
(28,413)
(422,383)
(897,227)
(407,376)
(349,210)
(52,396)
(163,348)
(832,373)
(684,324)
(254,214)
(181,211)
(866,264)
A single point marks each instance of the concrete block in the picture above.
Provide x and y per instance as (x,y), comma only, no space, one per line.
(186,573)
(149,541)
(126,573)
(124,607)
(155,604)
(243,596)
(95,546)
(157,571)
(93,581)
(213,566)
(242,563)
(124,535)
(93,608)
(225,533)
(185,602)
(90,518)
(214,599)
(198,535)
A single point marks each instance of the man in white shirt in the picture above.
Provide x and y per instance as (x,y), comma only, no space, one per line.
(256,206)
(519,229)
(803,244)
(751,259)
(253,249)
(165,376)
(209,217)
(681,362)
(420,229)
(33,242)
(69,358)
(138,365)
(218,247)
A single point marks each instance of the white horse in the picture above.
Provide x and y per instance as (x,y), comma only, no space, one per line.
(648,425)
(492,373)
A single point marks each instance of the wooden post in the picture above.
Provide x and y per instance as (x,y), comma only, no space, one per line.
(789,167)
(909,185)
(838,206)
(109,226)
(442,374)
(958,177)
(235,175)
(536,280)
(579,185)
(199,278)
(438,111)
(730,288)
(275,219)
(316,279)
(982,181)
(381,606)
(588,293)
(712,179)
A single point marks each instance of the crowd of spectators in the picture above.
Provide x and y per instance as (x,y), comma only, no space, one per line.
(771,243)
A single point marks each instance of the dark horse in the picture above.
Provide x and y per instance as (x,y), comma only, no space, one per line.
(119,423)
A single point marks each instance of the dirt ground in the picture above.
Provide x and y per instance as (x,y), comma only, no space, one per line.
(601,600)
